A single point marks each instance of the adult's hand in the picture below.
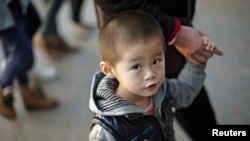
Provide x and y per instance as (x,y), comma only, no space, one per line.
(195,45)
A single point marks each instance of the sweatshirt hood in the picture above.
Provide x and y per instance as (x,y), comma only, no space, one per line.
(105,102)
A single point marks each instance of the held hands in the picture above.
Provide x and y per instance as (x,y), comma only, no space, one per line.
(195,46)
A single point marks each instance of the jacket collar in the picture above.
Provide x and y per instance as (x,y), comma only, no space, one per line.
(103,101)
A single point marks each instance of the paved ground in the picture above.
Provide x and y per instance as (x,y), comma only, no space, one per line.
(228,77)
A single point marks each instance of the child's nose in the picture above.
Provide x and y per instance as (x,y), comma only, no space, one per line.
(150,74)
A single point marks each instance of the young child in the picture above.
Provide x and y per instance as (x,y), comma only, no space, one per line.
(131,98)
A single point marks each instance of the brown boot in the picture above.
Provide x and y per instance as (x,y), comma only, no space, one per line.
(53,46)
(34,98)
(47,45)
(6,104)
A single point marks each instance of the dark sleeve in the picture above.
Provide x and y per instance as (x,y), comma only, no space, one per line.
(170,25)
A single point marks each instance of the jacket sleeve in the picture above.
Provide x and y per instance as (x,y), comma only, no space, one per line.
(6,18)
(98,133)
(186,87)
(170,25)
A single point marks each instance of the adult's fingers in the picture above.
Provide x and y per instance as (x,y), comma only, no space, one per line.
(218,51)
(210,46)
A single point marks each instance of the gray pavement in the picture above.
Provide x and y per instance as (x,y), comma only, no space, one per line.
(228,77)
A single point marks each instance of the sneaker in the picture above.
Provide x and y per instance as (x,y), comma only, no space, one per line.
(44,73)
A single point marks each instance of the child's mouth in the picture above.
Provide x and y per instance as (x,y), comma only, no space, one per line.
(152,87)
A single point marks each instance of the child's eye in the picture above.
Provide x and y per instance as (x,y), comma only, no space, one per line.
(136,67)
(157,61)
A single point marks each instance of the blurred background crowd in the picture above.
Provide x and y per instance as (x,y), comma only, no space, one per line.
(66,57)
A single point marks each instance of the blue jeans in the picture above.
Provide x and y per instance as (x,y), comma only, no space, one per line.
(17,45)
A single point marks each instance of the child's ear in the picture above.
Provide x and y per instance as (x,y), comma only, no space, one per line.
(107,69)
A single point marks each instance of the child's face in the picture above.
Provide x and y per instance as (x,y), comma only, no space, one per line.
(140,69)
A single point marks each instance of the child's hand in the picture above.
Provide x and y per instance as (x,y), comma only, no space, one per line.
(201,55)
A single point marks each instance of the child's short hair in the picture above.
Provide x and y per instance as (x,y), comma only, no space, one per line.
(126,28)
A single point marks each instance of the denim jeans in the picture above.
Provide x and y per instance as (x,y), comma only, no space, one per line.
(17,45)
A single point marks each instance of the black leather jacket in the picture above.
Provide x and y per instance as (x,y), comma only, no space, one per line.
(132,127)
(140,126)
